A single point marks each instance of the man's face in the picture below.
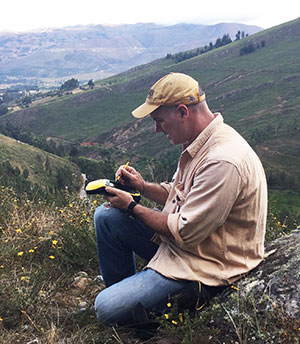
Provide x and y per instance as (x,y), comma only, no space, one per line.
(168,120)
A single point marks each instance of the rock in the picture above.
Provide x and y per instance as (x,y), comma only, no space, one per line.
(278,276)
(81,281)
(264,306)
(82,304)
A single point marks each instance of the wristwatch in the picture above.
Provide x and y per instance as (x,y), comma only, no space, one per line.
(129,210)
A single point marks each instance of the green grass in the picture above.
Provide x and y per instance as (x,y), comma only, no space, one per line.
(42,167)
(48,251)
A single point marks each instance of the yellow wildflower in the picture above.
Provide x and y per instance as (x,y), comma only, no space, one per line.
(95,202)
(51,232)
(71,205)
(54,242)
(1,266)
(1,319)
(180,317)
(174,322)
(51,257)
(20,253)
(166,316)
(169,304)
(31,251)
(18,230)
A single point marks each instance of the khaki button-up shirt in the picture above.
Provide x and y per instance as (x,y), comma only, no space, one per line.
(217,208)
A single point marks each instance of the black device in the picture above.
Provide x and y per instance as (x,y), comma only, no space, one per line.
(98,187)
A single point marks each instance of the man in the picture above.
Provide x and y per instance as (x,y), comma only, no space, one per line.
(211,230)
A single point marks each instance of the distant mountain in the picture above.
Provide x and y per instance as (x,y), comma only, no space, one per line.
(257,93)
(99,51)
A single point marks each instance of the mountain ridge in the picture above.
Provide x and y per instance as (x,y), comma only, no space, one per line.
(99,51)
(257,93)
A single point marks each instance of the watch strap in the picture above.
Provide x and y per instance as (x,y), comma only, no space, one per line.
(130,209)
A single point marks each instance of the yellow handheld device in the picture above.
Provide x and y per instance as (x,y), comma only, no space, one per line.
(98,187)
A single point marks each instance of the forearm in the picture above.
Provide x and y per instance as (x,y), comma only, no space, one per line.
(155,192)
(156,220)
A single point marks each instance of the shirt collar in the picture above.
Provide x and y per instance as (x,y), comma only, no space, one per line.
(194,147)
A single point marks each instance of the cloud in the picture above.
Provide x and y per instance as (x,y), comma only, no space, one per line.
(31,14)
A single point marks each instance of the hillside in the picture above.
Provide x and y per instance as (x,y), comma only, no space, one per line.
(257,93)
(98,51)
(31,170)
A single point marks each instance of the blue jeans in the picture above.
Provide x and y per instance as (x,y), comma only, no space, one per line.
(118,238)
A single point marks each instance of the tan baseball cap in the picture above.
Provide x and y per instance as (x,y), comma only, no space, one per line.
(172,89)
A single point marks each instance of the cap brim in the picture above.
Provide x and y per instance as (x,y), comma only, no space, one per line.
(144,110)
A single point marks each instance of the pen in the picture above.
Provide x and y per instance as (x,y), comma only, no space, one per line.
(119,176)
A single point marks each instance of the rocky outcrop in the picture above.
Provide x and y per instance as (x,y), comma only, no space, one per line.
(263,307)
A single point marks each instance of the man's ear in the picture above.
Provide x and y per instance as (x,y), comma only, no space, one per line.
(183,110)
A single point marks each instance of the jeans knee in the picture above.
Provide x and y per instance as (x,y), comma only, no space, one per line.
(107,217)
(101,212)
(102,310)
(109,312)
(107,212)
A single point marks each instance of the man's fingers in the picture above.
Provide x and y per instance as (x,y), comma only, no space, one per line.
(126,173)
(111,191)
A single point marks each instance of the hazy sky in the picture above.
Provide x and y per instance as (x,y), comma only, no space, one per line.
(23,15)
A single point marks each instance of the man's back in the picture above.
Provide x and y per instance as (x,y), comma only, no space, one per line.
(218,206)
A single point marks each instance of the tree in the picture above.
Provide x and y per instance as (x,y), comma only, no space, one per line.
(248,48)
(218,43)
(69,85)
(3,109)
(26,100)
(238,36)
(226,39)
(91,84)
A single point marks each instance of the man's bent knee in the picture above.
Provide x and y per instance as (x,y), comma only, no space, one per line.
(111,312)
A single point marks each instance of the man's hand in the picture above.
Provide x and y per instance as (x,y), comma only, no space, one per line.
(118,198)
(158,221)
(131,177)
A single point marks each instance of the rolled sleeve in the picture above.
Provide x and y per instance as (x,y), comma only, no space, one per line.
(166,186)
(173,220)
(215,189)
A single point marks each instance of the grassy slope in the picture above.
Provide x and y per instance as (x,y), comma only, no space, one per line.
(35,161)
(258,94)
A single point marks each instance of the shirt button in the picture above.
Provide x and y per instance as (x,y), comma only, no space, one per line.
(174,201)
